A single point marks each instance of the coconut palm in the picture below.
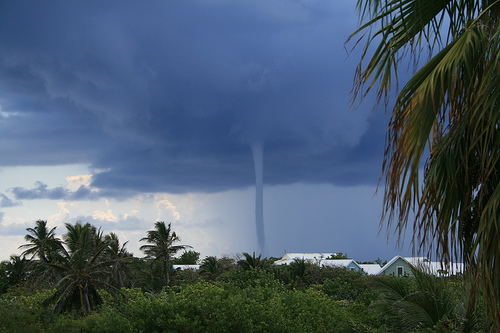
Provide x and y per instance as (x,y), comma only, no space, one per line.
(44,245)
(298,268)
(42,242)
(84,237)
(4,276)
(211,268)
(447,114)
(120,260)
(149,274)
(15,269)
(83,268)
(252,262)
(187,258)
(161,246)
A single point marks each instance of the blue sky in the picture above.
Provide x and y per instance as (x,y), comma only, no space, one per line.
(122,113)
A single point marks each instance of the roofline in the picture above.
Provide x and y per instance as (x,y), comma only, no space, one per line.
(391,262)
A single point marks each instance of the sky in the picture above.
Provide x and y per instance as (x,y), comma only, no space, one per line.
(124,113)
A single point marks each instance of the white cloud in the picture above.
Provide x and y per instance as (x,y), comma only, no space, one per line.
(105,215)
(63,214)
(165,206)
(74,182)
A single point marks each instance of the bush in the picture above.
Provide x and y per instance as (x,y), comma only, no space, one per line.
(24,313)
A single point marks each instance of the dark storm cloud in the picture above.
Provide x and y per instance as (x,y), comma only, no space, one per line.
(168,96)
(42,191)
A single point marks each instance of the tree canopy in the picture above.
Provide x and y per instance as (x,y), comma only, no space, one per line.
(161,246)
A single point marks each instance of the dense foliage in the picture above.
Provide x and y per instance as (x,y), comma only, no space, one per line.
(241,294)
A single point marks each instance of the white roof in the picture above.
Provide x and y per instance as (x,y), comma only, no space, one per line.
(437,268)
(370,269)
(182,267)
(337,262)
(283,262)
(314,257)
(307,256)
(416,260)
(433,267)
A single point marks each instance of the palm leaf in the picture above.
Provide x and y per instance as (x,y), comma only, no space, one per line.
(447,115)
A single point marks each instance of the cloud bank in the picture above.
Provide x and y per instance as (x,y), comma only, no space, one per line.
(168,96)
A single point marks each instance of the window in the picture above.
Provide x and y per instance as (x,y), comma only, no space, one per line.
(353,269)
(400,270)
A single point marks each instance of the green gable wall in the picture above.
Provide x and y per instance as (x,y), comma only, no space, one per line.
(393,268)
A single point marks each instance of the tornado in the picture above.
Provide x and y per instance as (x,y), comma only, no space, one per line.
(258,162)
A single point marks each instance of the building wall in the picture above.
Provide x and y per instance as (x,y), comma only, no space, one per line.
(393,269)
(353,265)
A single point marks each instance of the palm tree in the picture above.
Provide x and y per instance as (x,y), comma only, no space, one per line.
(211,268)
(298,268)
(161,246)
(187,258)
(150,275)
(424,301)
(84,237)
(252,262)
(4,277)
(83,268)
(450,108)
(120,260)
(15,269)
(42,242)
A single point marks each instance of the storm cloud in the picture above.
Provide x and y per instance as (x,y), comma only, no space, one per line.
(42,191)
(169,96)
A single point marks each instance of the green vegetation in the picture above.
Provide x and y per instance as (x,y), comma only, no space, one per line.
(338,255)
(161,247)
(92,284)
(448,114)
(187,258)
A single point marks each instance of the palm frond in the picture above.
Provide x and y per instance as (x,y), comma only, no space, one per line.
(448,115)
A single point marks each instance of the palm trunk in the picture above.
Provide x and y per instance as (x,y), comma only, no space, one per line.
(167,268)
(120,279)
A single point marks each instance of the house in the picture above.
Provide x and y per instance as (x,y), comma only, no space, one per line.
(183,267)
(439,269)
(320,259)
(370,269)
(316,258)
(397,266)
(400,266)
(348,264)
